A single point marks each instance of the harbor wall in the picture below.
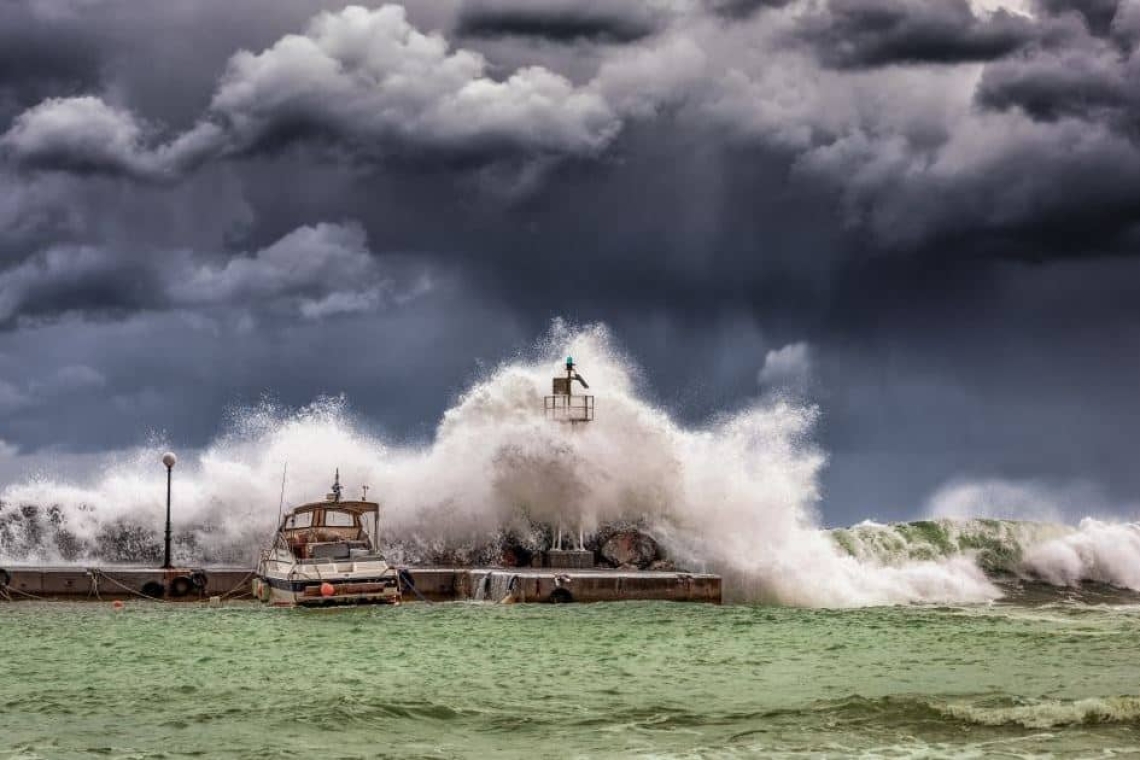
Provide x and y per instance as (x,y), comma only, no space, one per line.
(433,584)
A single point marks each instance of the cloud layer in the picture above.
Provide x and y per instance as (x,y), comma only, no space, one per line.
(315,271)
(941,199)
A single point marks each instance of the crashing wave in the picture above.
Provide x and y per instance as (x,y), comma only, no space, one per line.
(1061,555)
(1051,713)
(737,496)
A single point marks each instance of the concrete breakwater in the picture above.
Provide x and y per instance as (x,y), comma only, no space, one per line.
(522,585)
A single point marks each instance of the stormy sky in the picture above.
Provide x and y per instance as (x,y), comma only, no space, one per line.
(921,215)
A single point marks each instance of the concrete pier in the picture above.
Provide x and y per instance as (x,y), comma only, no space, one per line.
(118,582)
(436,584)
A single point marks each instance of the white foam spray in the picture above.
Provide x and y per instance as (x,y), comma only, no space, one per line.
(737,496)
(1096,551)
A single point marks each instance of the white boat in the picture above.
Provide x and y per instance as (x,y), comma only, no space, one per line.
(322,554)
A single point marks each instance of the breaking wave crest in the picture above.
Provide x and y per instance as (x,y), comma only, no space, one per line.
(1051,713)
(737,496)
(991,712)
(1094,551)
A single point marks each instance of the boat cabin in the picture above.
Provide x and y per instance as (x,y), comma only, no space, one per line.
(329,530)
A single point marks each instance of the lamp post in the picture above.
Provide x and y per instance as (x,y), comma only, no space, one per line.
(168,459)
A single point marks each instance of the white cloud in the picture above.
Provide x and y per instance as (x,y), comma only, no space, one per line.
(361,77)
(86,135)
(311,261)
(1009,499)
(371,77)
(787,367)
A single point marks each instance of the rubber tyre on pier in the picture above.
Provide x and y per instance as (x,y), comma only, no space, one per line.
(153,589)
(561,596)
(181,586)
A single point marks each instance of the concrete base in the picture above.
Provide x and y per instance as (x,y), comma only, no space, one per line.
(579,559)
(529,586)
(105,583)
(437,584)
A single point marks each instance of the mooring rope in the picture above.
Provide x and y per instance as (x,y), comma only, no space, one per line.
(239,584)
(128,589)
(92,572)
(403,574)
(8,589)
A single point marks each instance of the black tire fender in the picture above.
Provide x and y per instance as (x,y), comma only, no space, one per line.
(153,589)
(181,586)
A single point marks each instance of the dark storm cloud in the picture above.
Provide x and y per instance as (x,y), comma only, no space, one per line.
(914,210)
(84,135)
(40,57)
(862,33)
(1096,14)
(314,271)
(558,20)
(1094,82)
(741,9)
(363,78)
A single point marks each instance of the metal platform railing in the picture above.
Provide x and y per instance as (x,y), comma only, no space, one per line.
(569,408)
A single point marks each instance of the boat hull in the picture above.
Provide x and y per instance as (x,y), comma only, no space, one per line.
(328,592)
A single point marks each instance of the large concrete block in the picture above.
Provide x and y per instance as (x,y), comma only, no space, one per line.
(577,559)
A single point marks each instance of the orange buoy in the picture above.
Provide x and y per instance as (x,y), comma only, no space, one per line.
(327,589)
(117,604)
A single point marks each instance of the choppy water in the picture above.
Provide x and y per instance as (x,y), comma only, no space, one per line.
(620,680)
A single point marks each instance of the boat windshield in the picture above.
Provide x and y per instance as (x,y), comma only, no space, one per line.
(328,530)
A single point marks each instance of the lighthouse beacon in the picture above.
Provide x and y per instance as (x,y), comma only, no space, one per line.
(563,406)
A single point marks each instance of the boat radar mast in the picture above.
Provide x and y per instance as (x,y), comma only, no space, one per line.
(564,406)
(334,494)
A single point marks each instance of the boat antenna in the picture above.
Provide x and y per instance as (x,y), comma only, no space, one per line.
(281,502)
(336,487)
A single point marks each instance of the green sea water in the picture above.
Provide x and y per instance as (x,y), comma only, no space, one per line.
(590,681)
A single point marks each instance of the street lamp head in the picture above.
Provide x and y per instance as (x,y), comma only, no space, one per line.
(169,459)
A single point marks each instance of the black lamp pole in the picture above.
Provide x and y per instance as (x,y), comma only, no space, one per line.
(168,459)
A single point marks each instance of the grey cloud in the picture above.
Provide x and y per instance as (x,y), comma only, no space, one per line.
(368,85)
(1096,14)
(741,9)
(314,272)
(1126,24)
(84,135)
(863,33)
(732,196)
(12,398)
(69,379)
(321,270)
(68,279)
(1025,188)
(372,79)
(1093,82)
(41,56)
(559,20)
(364,78)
